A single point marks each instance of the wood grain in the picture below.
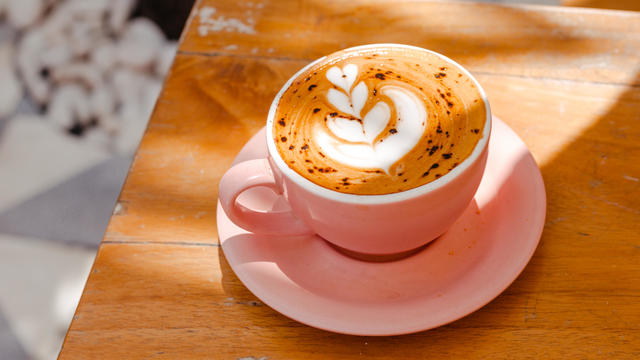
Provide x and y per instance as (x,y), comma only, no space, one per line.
(176,301)
(532,41)
(633,5)
(161,288)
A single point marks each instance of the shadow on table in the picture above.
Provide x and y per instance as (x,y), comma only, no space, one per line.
(468,43)
(630,5)
(594,181)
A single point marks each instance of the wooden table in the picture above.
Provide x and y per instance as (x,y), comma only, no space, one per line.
(567,80)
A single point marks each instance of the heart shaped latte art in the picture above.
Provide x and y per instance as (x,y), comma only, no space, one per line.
(354,139)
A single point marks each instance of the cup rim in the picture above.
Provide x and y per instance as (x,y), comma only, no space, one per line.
(329,194)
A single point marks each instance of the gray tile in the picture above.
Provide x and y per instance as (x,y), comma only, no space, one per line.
(74,212)
(36,156)
(10,347)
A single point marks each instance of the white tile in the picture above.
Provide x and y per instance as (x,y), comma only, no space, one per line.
(35,156)
(40,285)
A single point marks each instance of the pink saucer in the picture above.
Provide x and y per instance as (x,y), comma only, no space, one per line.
(307,280)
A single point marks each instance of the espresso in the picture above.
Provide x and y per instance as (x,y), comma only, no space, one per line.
(378,120)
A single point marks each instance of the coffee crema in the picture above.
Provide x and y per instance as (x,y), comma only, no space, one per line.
(378,120)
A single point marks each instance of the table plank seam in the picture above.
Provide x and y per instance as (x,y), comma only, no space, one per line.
(244,56)
(484,73)
(181,243)
(544,78)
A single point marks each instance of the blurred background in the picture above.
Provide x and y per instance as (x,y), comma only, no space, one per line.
(78,82)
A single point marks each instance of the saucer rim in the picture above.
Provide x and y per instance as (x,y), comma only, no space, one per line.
(477,301)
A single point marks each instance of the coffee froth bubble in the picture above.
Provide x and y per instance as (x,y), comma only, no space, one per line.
(378,120)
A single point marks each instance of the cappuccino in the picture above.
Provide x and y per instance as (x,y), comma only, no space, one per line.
(378,120)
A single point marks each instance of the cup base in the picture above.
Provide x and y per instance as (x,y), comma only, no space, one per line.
(379,258)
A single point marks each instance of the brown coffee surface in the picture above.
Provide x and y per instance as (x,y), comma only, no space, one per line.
(454,120)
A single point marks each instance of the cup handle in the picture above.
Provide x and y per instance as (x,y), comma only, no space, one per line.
(246,175)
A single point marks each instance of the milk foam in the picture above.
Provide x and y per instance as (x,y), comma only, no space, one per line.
(378,120)
(356,141)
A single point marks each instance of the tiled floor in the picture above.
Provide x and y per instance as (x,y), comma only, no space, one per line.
(56,195)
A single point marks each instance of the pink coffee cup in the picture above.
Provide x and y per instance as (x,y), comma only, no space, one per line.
(367,224)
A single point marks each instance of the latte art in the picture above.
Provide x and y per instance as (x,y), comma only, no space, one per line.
(366,148)
(378,121)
